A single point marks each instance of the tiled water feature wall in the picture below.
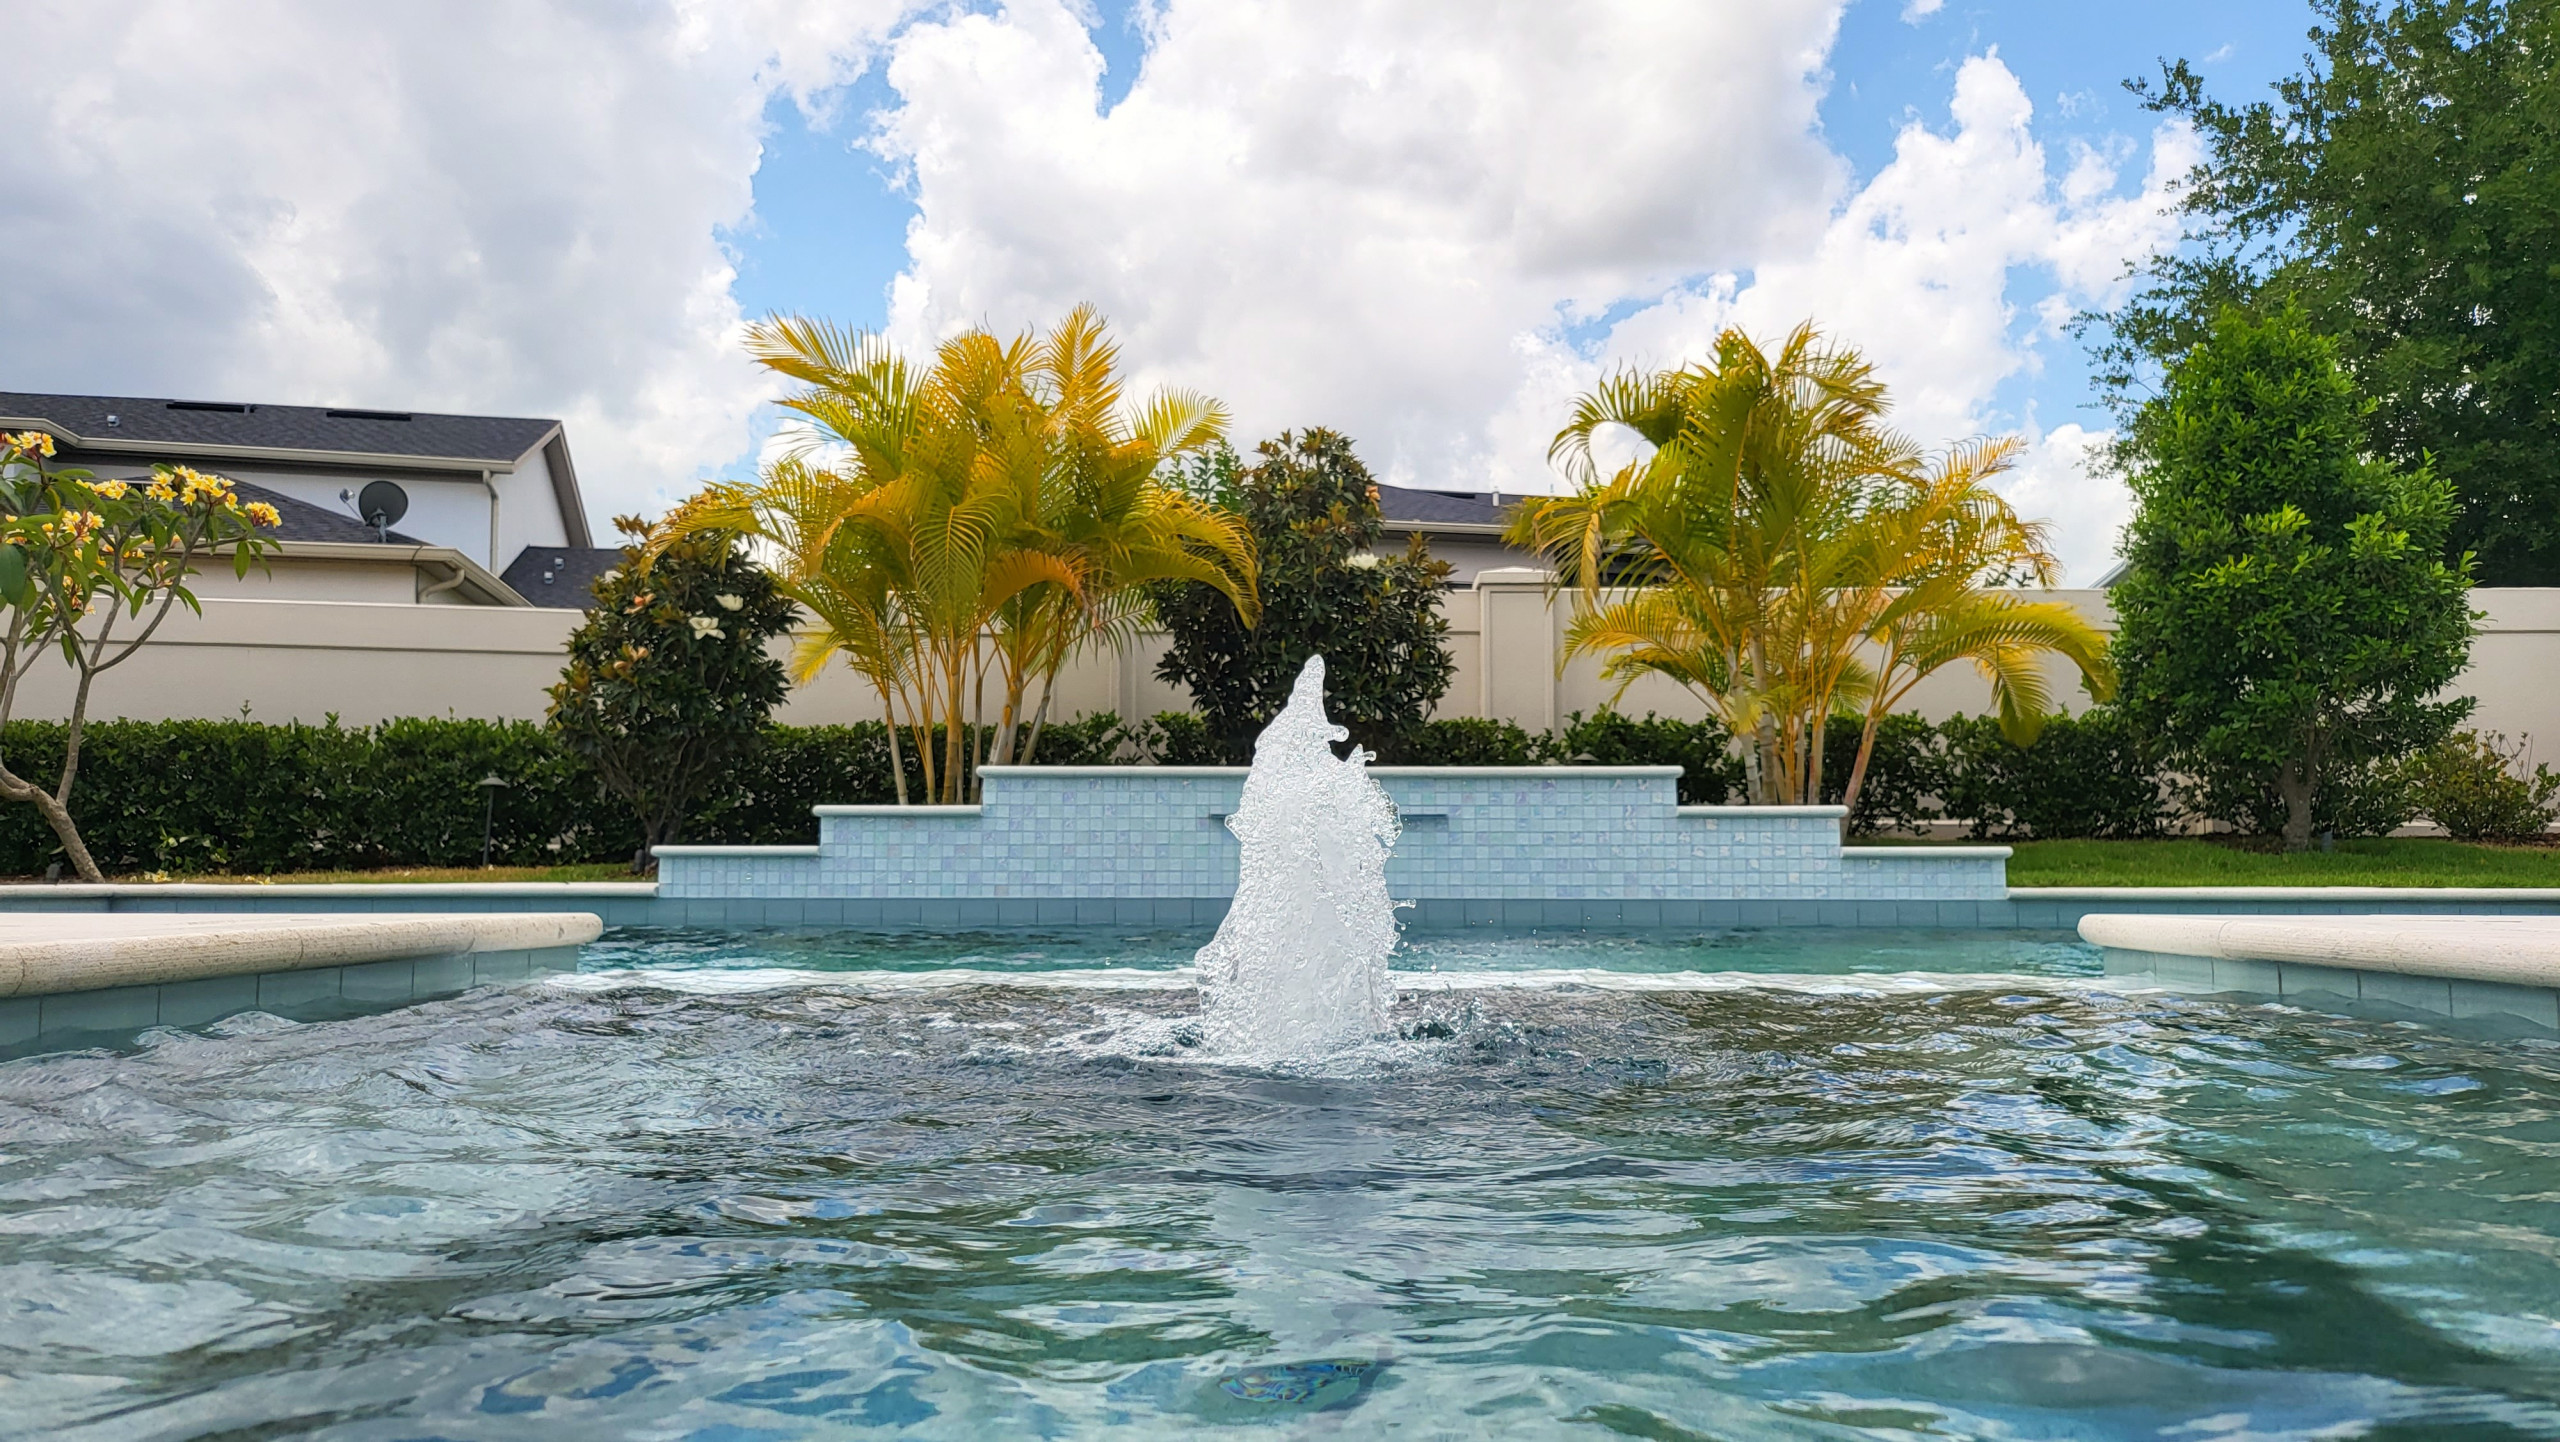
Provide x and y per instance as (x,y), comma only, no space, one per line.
(1510,846)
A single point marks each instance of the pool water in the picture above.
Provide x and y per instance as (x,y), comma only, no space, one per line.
(1789,1185)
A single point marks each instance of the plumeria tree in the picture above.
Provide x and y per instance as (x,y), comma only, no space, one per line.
(89,569)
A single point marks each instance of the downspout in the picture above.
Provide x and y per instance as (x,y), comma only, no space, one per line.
(491,486)
(460,574)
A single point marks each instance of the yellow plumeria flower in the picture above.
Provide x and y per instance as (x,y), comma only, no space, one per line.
(112,490)
(30,443)
(260,513)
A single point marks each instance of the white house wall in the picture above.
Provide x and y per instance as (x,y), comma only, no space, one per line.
(528,512)
(441,512)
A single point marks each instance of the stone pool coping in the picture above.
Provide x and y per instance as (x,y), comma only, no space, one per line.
(640,903)
(67,952)
(71,979)
(2501,969)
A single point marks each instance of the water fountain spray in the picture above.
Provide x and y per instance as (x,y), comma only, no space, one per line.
(1300,963)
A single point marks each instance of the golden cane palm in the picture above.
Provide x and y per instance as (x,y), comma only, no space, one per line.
(976,519)
(1107,509)
(1789,558)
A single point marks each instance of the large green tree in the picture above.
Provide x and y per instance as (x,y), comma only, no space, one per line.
(2404,189)
(1325,589)
(2288,616)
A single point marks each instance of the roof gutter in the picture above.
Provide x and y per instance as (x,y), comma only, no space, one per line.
(1445,528)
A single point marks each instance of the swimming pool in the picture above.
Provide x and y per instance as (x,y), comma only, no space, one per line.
(1782,1184)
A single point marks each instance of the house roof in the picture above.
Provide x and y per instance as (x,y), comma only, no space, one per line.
(332,436)
(224,427)
(1406,506)
(304,521)
(561,576)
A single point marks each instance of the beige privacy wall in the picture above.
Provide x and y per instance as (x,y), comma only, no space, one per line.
(305,660)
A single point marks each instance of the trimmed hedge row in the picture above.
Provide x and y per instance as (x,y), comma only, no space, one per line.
(244,796)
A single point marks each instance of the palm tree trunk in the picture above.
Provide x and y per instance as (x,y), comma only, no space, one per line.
(951,740)
(1858,772)
(897,765)
(1040,718)
(979,738)
(1813,760)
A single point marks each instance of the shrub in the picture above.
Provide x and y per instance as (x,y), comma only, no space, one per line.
(1468,741)
(2356,798)
(1375,619)
(1711,774)
(246,796)
(2473,786)
(669,682)
(2289,611)
(1178,738)
(2091,775)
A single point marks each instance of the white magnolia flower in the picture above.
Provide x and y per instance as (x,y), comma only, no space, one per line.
(729,603)
(1365,561)
(706,626)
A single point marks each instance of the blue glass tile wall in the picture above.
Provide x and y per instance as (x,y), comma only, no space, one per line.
(1471,834)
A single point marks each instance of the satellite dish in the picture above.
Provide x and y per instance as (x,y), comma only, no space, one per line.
(381,504)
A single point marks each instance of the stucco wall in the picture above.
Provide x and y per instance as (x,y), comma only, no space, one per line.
(305,659)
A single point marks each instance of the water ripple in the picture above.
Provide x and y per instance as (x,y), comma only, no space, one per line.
(1665,1201)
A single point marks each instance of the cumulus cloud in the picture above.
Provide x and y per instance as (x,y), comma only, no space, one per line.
(472,206)
(1426,225)
(1429,228)
(1352,222)
(1954,269)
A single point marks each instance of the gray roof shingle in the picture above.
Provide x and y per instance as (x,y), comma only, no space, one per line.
(1464,508)
(561,576)
(183,426)
(304,521)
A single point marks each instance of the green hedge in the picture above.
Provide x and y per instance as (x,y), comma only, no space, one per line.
(245,796)
(242,796)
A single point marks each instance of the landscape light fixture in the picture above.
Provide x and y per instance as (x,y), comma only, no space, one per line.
(490,786)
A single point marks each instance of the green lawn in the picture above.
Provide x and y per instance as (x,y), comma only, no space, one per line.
(2037,863)
(2409,862)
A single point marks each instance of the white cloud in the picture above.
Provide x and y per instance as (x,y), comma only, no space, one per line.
(469,206)
(1351,223)
(1915,11)
(1429,228)
(1952,269)
(1425,225)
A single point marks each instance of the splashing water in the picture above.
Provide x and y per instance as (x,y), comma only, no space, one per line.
(1300,963)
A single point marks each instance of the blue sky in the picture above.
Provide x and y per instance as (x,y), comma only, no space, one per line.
(831,217)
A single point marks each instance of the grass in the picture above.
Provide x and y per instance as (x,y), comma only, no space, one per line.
(411,875)
(2389,862)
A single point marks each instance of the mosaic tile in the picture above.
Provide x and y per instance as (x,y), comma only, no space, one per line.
(1148,839)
